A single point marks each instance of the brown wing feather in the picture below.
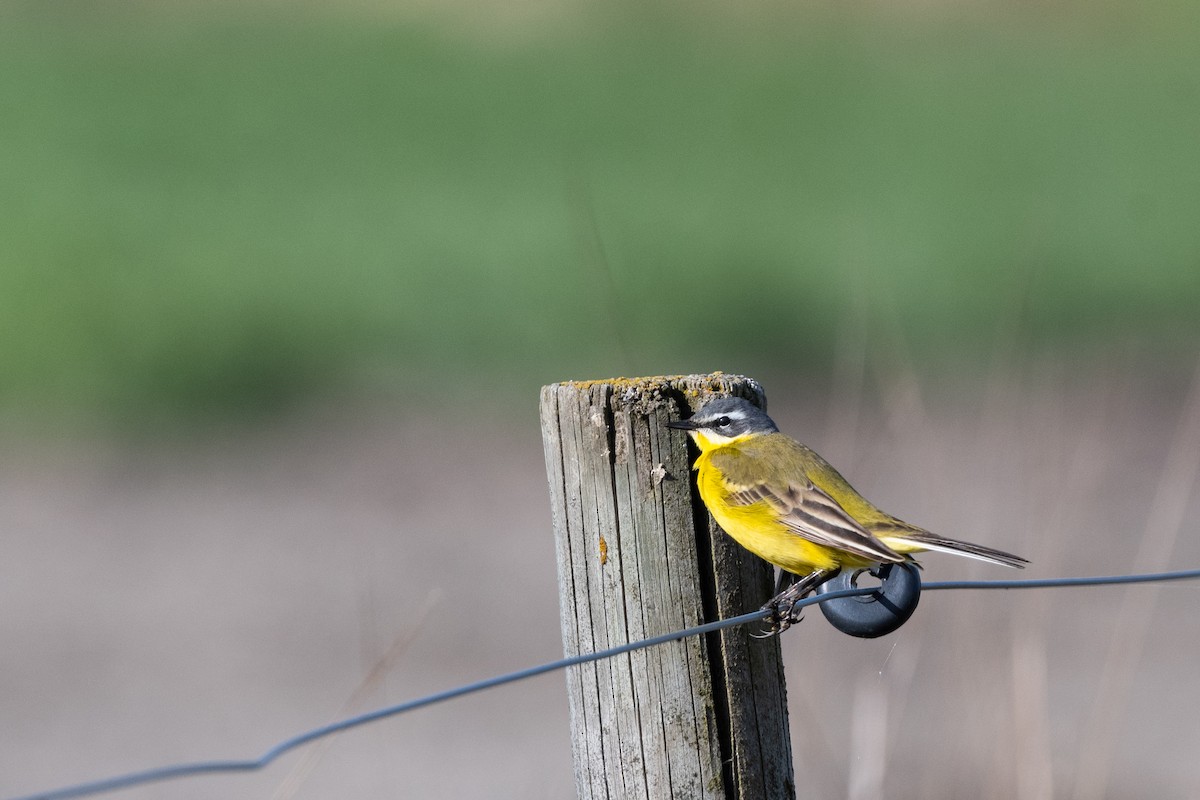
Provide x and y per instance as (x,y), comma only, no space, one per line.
(812,514)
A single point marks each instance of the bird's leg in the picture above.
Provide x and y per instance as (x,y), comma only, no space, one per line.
(782,606)
(784,580)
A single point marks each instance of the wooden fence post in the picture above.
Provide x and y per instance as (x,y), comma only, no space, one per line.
(638,555)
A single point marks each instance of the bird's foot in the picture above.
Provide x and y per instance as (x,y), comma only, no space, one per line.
(783,612)
(783,616)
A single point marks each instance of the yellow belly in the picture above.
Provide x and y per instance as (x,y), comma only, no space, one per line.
(756,528)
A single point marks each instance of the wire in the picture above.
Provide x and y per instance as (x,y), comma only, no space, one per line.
(1053,583)
(159,774)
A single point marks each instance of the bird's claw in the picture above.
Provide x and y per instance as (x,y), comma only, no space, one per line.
(783,612)
(783,616)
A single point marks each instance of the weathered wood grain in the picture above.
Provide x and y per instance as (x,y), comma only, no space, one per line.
(639,556)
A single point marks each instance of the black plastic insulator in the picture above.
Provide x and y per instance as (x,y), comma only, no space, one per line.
(879,613)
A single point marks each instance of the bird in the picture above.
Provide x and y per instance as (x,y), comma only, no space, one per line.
(786,504)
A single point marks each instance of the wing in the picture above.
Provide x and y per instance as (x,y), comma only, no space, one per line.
(807,511)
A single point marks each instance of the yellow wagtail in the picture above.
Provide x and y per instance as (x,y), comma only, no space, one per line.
(786,504)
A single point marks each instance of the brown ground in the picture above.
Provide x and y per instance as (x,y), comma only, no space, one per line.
(178,602)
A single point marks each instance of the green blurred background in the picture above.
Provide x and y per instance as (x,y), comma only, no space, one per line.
(217,209)
(279,282)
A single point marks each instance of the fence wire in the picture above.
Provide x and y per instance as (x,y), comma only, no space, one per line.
(171,772)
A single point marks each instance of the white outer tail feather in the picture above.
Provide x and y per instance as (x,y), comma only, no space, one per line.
(902,543)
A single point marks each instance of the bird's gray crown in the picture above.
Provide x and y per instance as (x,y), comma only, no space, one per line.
(732,416)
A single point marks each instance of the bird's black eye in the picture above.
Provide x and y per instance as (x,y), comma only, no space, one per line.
(722,422)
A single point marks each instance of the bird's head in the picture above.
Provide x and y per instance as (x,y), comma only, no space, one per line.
(725,420)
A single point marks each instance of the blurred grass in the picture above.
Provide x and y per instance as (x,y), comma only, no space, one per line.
(214,210)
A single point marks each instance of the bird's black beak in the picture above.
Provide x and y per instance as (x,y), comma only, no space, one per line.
(683,425)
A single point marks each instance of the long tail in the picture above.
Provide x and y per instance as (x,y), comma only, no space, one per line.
(906,540)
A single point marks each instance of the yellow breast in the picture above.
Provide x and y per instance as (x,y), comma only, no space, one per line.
(757,527)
